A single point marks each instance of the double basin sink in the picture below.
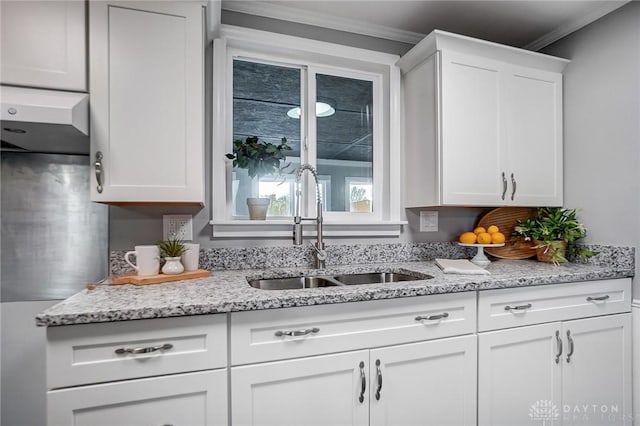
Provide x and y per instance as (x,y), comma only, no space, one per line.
(317,281)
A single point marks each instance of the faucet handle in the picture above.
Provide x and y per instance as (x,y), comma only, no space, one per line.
(321,253)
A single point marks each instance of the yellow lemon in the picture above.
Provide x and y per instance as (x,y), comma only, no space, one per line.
(484,238)
(468,238)
(493,229)
(497,238)
(479,230)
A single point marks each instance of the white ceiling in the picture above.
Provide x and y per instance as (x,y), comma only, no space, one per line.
(520,23)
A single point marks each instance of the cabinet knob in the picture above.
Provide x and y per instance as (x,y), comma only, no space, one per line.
(559,343)
(432,317)
(363,381)
(504,185)
(379,374)
(98,166)
(571,346)
(517,307)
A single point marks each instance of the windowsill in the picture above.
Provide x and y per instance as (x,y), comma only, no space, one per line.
(260,229)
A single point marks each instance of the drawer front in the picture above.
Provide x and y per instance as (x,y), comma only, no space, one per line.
(94,353)
(515,307)
(186,399)
(295,332)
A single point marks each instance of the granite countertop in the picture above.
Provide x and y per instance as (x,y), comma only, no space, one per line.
(228,291)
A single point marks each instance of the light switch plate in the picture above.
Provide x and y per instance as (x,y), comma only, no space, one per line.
(429,221)
(178,226)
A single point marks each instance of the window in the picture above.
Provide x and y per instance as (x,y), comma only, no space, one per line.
(335,113)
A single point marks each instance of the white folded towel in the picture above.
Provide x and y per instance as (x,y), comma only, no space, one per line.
(460,266)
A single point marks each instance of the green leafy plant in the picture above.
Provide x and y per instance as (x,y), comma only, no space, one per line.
(173,247)
(260,158)
(553,229)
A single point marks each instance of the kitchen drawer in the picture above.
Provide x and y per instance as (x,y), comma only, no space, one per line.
(92,353)
(275,334)
(186,399)
(515,307)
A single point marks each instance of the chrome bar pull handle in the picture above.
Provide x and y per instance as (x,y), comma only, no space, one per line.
(598,299)
(432,317)
(559,342)
(98,166)
(513,185)
(504,185)
(379,374)
(363,381)
(146,350)
(571,346)
(294,333)
(517,307)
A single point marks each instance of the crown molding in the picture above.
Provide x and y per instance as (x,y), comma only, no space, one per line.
(575,24)
(317,19)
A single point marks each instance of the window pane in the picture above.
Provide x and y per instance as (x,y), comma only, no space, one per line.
(345,141)
(262,96)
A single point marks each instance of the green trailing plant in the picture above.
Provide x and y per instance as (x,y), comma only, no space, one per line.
(260,158)
(173,247)
(551,228)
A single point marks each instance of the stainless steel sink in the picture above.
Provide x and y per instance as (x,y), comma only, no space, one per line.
(292,283)
(378,277)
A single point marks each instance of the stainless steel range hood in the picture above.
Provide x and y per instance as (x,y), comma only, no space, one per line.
(45,120)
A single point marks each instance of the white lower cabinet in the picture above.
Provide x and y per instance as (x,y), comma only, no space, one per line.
(574,372)
(426,383)
(323,390)
(181,399)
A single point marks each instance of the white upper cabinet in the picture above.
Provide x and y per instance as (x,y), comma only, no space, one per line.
(483,124)
(147,102)
(43,44)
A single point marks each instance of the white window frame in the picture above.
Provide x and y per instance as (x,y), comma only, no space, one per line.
(323,58)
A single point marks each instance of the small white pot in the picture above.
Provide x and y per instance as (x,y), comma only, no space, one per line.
(172,266)
(258,208)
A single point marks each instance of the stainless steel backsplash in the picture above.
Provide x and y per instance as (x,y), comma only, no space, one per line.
(54,240)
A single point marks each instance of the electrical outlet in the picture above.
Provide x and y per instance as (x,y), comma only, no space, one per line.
(178,226)
(429,221)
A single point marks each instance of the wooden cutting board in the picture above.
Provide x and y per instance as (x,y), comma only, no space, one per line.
(157,279)
(506,218)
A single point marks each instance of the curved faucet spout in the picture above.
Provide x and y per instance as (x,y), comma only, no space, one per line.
(320,253)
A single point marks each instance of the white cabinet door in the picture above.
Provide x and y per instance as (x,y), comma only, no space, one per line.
(472,151)
(534,136)
(324,390)
(181,399)
(597,371)
(147,102)
(519,380)
(428,383)
(43,44)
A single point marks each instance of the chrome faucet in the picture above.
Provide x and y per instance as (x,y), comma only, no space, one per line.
(320,253)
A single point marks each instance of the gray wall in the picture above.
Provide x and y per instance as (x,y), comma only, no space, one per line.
(602,126)
(142,225)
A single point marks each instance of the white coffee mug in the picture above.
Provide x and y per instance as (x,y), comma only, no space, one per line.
(147,258)
(191,257)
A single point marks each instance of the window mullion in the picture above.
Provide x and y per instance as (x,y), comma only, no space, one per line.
(309,101)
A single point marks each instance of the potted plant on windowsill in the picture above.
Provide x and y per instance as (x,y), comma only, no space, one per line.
(259,158)
(359,201)
(554,231)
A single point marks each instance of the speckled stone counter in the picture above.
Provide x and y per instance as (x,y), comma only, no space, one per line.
(228,290)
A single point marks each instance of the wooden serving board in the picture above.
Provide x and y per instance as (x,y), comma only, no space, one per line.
(157,279)
(506,218)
